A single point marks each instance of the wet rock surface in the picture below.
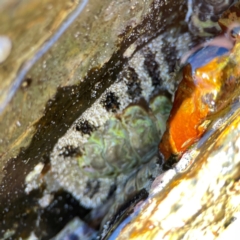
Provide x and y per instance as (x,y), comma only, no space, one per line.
(60,74)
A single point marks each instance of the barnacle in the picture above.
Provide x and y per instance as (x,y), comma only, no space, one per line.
(5,48)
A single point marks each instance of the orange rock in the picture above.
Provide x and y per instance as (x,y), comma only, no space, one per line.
(200,94)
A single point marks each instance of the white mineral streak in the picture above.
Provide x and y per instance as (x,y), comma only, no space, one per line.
(162,180)
(190,10)
(5,47)
(33,179)
(45,200)
(130,50)
(186,160)
(32,236)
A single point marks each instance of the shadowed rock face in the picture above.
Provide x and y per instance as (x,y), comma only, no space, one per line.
(50,80)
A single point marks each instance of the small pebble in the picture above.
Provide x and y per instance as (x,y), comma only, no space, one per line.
(5,47)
